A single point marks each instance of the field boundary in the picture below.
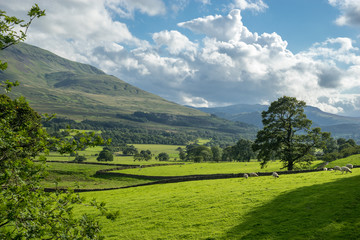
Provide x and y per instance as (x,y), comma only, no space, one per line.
(177,179)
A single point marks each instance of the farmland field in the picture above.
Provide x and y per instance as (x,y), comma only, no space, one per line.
(83,176)
(318,205)
(206,168)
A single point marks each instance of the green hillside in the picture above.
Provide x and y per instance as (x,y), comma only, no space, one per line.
(79,91)
(95,100)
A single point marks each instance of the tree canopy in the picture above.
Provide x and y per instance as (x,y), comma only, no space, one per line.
(287,134)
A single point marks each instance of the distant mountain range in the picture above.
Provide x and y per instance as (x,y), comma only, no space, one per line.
(339,126)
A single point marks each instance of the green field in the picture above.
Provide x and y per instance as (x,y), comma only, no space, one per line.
(91,154)
(318,205)
(206,168)
(83,176)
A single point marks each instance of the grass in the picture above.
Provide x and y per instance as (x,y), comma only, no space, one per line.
(206,168)
(91,154)
(318,205)
(354,159)
(83,176)
(159,148)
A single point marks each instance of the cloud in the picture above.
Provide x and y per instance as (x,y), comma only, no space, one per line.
(350,12)
(126,8)
(256,5)
(223,28)
(330,77)
(228,64)
(175,42)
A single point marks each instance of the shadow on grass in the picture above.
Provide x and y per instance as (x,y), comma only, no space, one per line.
(324,211)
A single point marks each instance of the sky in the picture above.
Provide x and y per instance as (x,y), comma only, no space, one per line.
(209,53)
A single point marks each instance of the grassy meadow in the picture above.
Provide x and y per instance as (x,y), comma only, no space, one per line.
(206,168)
(91,154)
(317,205)
(83,176)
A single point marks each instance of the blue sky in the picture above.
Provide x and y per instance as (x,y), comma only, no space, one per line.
(213,53)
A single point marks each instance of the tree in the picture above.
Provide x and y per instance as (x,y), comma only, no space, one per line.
(27,211)
(163,156)
(144,155)
(105,156)
(216,153)
(198,153)
(79,158)
(243,151)
(130,150)
(287,134)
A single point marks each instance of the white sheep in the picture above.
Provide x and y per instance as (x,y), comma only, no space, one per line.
(350,166)
(337,168)
(246,176)
(253,174)
(275,174)
(325,169)
(345,169)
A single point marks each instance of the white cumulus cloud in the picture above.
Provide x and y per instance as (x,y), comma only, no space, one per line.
(350,12)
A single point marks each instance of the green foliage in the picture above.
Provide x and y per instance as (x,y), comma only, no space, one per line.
(216,153)
(163,156)
(198,153)
(130,150)
(80,158)
(27,211)
(143,155)
(287,133)
(105,156)
(10,35)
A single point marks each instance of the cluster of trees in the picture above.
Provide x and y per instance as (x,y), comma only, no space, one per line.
(121,133)
(240,152)
(339,148)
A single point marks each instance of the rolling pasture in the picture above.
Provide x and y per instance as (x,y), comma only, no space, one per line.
(314,205)
(317,205)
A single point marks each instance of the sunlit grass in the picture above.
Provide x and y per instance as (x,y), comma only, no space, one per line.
(317,205)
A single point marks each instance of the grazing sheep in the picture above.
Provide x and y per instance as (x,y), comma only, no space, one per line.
(345,169)
(325,169)
(337,168)
(246,176)
(350,166)
(253,174)
(275,174)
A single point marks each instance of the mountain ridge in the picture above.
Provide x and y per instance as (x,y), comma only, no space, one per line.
(339,126)
(47,78)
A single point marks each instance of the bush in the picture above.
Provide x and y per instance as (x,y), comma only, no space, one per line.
(80,159)
(105,156)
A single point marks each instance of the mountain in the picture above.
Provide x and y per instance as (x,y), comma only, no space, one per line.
(339,126)
(84,94)
(55,85)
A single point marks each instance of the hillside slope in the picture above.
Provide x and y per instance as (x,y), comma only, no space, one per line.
(95,100)
(55,85)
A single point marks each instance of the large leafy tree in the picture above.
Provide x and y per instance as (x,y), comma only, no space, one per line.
(27,211)
(287,134)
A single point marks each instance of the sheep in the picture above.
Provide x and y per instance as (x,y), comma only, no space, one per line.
(350,166)
(275,174)
(345,169)
(337,168)
(246,176)
(325,169)
(253,174)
